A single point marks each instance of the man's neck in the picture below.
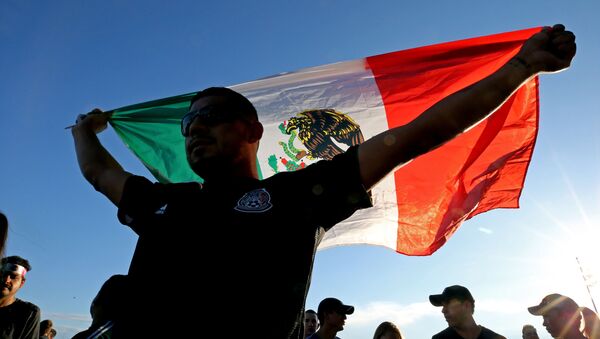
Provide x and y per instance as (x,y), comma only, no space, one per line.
(235,171)
(326,333)
(7,301)
(468,330)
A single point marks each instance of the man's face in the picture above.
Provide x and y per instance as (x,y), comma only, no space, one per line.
(310,324)
(557,323)
(336,320)
(217,147)
(456,311)
(11,283)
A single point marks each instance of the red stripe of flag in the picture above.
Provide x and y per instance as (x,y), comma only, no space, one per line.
(480,170)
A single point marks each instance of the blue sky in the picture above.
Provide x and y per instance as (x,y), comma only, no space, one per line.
(62,58)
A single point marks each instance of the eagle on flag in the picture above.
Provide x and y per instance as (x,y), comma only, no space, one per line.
(318,128)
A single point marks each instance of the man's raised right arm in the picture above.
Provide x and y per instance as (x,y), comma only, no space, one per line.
(96,164)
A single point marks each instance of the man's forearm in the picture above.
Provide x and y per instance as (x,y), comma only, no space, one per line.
(440,123)
(465,108)
(550,50)
(92,157)
(96,164)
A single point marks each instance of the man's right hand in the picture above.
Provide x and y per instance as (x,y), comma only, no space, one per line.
(96,121)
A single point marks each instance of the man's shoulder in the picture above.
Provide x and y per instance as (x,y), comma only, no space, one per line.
(20,308)
(169,185)
(143,185)
(447,333)
(26,305)
(486,333)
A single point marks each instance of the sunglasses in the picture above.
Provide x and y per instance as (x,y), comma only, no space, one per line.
(209,115)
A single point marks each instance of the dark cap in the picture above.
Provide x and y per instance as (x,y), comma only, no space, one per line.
(449,293)
(554,301)
(333,304)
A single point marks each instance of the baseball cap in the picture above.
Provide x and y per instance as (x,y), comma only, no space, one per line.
(451,292)
(553,301)
(333,304)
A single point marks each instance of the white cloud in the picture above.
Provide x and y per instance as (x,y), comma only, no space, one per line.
(485,230)
(68,316)
(499,306)
(376,312)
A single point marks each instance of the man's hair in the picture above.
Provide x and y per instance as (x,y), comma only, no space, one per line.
(234,99)
(310,311)
(15,259)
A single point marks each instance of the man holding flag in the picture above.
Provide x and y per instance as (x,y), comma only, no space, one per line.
(245,221)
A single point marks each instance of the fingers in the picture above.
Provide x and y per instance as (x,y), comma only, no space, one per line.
(558,28)
(96,112)
(563,43)
(80,117)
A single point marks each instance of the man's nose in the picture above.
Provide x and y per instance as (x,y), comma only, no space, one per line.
(6,279)
(197,126)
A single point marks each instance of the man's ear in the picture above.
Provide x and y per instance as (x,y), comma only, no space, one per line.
(22,282)
(256,132)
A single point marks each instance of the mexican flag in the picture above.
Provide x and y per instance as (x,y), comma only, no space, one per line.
(315,113)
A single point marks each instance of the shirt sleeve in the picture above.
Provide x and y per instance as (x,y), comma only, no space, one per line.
(32,326)
(331,190)
(142,203)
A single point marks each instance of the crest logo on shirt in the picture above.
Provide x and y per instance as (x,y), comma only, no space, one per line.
(256,201)
(322,133)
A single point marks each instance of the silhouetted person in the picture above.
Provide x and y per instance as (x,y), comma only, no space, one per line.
(46,329)
(592,323)
(107,308)
(236,220)
(18,318)
(311,323)
(387,330)
(561,314)
(529,332)
(332,318)
(458,307)
(3,233)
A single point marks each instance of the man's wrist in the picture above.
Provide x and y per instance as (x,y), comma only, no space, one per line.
(523,65)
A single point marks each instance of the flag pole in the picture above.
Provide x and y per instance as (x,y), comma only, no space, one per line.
(586,284)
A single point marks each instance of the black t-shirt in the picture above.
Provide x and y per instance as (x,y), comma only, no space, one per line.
(450,333)
(21,319)
(250,243)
